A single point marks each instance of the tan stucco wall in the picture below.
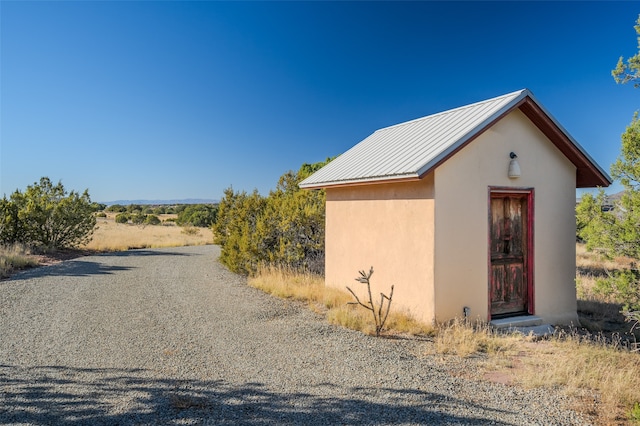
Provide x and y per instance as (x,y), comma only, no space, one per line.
(389,227)
(461,215)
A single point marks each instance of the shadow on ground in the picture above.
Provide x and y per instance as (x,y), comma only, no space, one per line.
(71,268)
(64,395)
(82,268)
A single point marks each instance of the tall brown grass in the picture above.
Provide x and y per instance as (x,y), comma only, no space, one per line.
(605,377)
(14,258)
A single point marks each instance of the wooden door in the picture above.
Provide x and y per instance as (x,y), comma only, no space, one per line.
(509,240)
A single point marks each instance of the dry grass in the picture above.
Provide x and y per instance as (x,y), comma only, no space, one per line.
(605,379)
(15,258)
(602,378)
(331,302)
(112,236)
(464,339)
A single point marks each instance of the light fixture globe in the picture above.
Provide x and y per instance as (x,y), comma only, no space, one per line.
(514,166)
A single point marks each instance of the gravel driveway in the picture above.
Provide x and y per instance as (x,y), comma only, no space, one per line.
(168,336)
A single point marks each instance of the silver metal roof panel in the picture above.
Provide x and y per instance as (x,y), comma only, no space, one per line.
(409,150)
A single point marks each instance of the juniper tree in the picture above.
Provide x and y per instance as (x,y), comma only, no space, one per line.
(617,232)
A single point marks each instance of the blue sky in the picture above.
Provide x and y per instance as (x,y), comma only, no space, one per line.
(159,100)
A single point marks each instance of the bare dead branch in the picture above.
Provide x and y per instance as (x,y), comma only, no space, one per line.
(379,316)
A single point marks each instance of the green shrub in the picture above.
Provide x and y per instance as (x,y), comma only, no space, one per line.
(152,220)
(134,208)
(98,207)
(138,218)
(634,414)
(122,218)
(190,230)
(622,286)
(101,214)
(200,215)
(116,208)
(284,229)
(46,216)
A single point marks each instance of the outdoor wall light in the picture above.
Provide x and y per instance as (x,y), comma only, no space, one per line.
(514,167)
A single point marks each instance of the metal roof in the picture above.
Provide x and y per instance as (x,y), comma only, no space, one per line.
(409,150)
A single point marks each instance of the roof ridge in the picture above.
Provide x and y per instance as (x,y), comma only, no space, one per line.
(457,109)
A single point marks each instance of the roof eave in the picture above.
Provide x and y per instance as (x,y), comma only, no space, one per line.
(588,173)
(360,182)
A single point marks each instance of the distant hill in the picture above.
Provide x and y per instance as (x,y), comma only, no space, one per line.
(161,202)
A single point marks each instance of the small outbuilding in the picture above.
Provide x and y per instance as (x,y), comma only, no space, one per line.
(470,211)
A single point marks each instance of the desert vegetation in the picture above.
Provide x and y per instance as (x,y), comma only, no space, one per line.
(46,217)
(286,228)
(111,235)
(14,258)
(45,223)
(379,312)
(334,304)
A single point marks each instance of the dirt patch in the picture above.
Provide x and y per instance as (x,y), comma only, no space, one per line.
(501,377)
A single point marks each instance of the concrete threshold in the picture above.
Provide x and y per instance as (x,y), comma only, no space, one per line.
(524,324)
(519,321)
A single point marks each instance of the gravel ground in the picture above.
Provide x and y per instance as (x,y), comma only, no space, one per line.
(168,336)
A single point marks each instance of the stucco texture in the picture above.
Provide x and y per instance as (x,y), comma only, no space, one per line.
(389,227)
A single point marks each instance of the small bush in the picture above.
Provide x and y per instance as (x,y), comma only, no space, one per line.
(622,285)
(101,214)
(190,230)
(634,414)
(134,208)
(122,218)
(138,218)
(152,220)
(286,228)
(116,208)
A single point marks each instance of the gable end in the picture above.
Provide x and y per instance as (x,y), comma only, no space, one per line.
(588,174)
